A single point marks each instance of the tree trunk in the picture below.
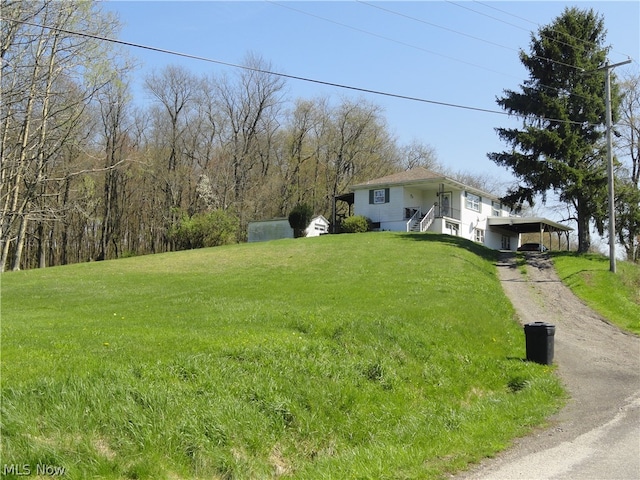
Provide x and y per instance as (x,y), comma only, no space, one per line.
(584,234)
(22,235)
(42,251)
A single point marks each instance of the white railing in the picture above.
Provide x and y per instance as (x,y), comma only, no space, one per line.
(426,222)
(413,219)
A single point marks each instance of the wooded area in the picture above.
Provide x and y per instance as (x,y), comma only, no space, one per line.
(88,174)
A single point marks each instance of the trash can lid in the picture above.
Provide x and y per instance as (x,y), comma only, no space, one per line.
(539,329)
(539,324)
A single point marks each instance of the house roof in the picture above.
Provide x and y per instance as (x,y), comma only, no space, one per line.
(319,217)
(286,219)
(266,220)
(417,176)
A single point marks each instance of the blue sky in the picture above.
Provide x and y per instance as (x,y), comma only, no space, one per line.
(462,52)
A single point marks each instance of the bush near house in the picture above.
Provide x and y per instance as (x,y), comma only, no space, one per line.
(209,229)
(355,224)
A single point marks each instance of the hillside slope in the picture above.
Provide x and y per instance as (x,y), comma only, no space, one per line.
(378,355)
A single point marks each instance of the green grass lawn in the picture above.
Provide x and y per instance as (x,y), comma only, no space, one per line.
(378,355)
(614,296)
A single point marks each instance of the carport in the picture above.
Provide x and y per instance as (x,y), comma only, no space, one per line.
(349,199)
(522,225)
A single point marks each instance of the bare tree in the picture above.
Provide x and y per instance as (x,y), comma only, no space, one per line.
(249,106)
(176,90)
(628,172)
(113,103)
(299,152)
(417,154)
(359,146)
(48,78)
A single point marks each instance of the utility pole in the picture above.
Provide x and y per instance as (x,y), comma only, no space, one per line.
(612,212)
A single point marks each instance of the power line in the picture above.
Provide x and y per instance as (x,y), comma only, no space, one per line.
(568,65)
(258,70)
(539,26)
(478,39)
(399,42)
(435,25)
(285,75)
(426,50)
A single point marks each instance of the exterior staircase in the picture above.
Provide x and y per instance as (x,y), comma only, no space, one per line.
(419,223)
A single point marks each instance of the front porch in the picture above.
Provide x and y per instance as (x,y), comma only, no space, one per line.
(438,219)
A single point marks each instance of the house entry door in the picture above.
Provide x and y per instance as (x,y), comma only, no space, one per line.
(445,206)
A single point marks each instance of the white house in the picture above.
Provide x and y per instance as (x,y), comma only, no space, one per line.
(420,200)
(276,228)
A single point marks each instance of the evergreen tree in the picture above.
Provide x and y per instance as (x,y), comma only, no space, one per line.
(559,146)
(299,219)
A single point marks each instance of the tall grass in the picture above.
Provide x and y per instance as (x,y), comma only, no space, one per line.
(377,355)
(615,296)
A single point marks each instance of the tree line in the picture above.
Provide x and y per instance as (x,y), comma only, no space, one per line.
(87,174)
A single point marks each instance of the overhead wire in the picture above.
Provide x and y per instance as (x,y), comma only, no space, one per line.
(254,69)
(581,40)
(399,42)
(284,75)
(475,38)
(435,25)
(568,65)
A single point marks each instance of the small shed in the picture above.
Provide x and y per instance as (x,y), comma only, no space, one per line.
(318,226)
(277,228)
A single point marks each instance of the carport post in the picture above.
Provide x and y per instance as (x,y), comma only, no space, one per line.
(541,234)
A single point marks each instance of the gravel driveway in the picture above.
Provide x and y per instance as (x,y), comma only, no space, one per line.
(597,435)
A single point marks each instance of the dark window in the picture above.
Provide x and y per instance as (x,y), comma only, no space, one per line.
(378,196)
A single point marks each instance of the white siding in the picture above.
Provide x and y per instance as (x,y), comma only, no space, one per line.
(474,219)
(392,214)
(392,211)
(317,227)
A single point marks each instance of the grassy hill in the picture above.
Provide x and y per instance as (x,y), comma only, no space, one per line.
(378,355)
(614,296)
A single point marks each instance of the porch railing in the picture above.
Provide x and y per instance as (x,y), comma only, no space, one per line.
(413,220)
(426,222)
(449,213)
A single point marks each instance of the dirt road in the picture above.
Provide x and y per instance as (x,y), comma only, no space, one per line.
(597,435)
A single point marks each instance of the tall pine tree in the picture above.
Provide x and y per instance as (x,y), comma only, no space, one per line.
(559,146)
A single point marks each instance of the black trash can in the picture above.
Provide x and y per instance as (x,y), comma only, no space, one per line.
(539,338)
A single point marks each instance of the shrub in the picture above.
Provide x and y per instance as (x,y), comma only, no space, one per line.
(299,219)
(209,229)
(355,224)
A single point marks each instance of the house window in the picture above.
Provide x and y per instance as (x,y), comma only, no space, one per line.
(472,201)
(452,228)
(478,235)
(496,209)
(506,242)
(379,196)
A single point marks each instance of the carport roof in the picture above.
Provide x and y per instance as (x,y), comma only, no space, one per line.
(527,224)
